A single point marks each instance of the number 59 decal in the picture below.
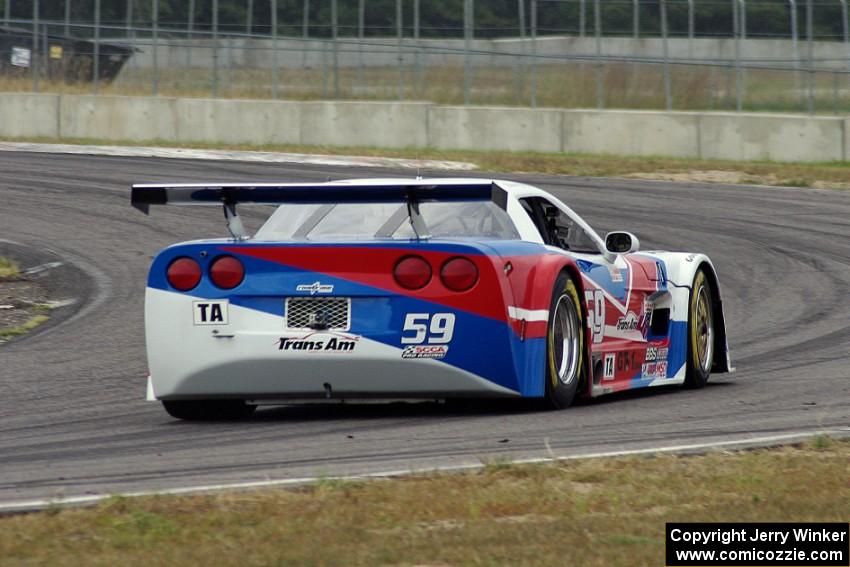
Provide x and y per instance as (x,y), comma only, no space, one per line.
(596,313)
(424,328)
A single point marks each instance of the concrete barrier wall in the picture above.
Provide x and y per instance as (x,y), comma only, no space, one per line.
(493,128)
(29,115)
(417,125)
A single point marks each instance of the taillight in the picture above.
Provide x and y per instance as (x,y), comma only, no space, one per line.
(412,272)
(226,272)
(459,274)
(183,273)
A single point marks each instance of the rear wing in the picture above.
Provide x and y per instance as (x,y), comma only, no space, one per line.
(229,195)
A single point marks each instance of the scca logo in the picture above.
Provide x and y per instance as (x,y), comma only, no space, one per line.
(425,351)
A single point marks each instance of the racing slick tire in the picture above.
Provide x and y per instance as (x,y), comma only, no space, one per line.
(700,332)
(565,339)
(208,410)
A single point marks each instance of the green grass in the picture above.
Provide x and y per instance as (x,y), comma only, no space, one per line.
(18,330)
(589,512)
(8,268)
(828,175)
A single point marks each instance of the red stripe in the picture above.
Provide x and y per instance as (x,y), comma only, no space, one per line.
(373,267)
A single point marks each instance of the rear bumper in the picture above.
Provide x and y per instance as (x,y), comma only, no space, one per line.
(270,378)
(190,362)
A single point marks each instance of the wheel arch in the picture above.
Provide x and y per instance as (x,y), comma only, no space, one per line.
(544,281)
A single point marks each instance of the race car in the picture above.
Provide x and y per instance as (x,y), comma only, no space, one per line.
(417,289)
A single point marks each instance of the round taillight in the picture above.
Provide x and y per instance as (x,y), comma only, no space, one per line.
(183,273)
(459,274)
(226,272)
(412,272)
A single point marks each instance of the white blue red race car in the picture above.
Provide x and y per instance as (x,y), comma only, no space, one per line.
(432,289)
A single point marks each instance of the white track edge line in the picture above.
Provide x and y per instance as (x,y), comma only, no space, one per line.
(83,500)
(236,155)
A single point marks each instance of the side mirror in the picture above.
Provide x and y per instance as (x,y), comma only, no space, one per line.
(621,242)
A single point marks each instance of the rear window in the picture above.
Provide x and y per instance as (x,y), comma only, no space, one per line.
(386,220)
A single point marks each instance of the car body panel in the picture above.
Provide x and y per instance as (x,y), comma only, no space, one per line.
(497,343)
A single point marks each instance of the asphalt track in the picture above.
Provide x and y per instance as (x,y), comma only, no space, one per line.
(73,419)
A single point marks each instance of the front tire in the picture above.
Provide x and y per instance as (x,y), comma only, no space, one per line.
(564,344)
(208,410)
(700,332)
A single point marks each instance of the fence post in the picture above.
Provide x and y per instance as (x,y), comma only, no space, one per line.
(7,12)
(636,18)
(361,35)
(691,26)
(215,48)
(96,61)
(35,50)
(249,17)
(335,34)
(274,48)
(736,25)
(582,18)
(844,31)
(521,66)
(668,94)
(67,16)
(191,27)
(305,33)
(417,64)
(467,45)
(400,32)
(795,47)
(128,15)
(533,53)
(811,49)
(597,32)
(154,50)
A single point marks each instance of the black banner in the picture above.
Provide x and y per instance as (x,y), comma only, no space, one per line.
(760,545)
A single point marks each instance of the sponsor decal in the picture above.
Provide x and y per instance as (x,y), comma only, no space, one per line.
(654,354)
(608,374)
(319,342)
(626,361)
(210,312)
(315,287)
(653,370)
(616,275)
(425,351)
(629,322)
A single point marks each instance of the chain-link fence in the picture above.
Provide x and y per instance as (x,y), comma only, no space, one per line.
(665,54)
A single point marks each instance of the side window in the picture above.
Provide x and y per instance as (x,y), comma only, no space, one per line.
(532,207)
(563,232)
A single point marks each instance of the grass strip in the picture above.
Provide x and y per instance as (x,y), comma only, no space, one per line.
(586,512)
(827,175)
(8,268)
(24,328)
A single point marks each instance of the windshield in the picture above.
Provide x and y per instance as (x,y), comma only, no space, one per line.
(386,220)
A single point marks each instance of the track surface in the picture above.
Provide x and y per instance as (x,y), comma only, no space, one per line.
(73,420)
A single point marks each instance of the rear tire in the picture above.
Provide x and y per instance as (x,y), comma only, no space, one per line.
(565,365)
(700,332)
(208,410)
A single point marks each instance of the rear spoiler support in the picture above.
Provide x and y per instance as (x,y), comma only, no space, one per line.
(234,223)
